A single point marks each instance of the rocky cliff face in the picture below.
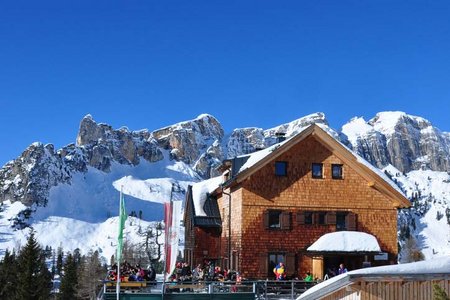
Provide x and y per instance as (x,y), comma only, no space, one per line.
(30,177)
(247,140)
(407,142)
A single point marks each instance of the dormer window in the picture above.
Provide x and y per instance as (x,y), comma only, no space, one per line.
(281,168)
(317,170)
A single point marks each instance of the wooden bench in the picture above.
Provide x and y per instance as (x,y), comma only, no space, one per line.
(126,285)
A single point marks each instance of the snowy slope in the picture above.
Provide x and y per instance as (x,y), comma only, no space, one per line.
(431,193)
(83,214)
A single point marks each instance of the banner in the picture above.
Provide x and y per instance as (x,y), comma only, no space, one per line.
(172,219)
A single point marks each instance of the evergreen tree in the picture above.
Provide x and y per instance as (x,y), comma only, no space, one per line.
(69,279)
(59,261)
(77,257)
(33,279)
(8,276)
(53,263)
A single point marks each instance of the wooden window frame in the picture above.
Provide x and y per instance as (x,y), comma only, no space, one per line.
(321,170)
(283,171)
(350,221)
(284,219)
(316,217)
(280,256)
(341,173)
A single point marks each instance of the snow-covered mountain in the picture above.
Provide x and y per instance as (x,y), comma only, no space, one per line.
(407,142)
(70,195)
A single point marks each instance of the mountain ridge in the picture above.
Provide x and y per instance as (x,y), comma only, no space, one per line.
(51,182)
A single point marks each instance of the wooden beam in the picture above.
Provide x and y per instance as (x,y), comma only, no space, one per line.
(355,287)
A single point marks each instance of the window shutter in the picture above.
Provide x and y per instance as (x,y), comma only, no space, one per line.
(350,221)
(266,219)
(263,262)
(315,218)
(285,220)
(330,218)
(301,218)
(290,264)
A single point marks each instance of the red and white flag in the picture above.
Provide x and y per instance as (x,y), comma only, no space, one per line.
(172,219)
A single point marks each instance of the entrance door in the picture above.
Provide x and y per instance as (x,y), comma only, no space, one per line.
(331,263)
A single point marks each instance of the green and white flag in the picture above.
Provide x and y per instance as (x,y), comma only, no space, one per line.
(122,218)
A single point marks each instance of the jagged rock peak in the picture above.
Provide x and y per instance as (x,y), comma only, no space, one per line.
(292,128)
(189,139)
(29,177)
(248,140)
(405,141)
(204,124)
(386,122)
(90,132)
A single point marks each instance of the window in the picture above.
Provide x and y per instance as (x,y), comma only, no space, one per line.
(346,221)
(281,168)
(316,218)
(277,219)
(340,221)
(274,219)
(336,171)
(317,170)
(321,218)
(274,259)
(308,217)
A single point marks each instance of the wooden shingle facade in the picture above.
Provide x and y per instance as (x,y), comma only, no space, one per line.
(285,200)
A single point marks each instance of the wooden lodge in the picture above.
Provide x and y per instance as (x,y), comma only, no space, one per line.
(274,204)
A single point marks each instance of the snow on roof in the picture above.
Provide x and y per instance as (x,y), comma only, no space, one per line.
(439,265)
(199,191)
(260,155)
(432,266)
(346,241)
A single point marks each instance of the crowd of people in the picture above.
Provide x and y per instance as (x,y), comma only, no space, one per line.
(129,272)
(202,272)
(280,273)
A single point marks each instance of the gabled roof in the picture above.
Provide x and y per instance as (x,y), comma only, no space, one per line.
(375,178)
(210,215)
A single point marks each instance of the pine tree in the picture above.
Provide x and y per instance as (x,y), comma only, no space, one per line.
(59,261)
(69,279)
(8,275)
(34,279)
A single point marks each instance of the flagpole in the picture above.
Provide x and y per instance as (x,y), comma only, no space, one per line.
(119,245)
(118,263)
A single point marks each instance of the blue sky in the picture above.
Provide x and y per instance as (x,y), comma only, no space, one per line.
(148,64)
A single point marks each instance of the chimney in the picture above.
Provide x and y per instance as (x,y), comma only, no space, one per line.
(280,136)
